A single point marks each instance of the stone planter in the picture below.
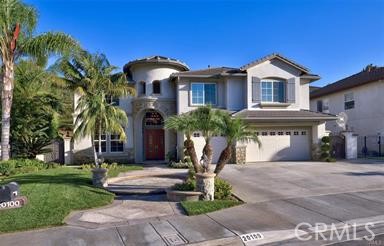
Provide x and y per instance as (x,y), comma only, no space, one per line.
(178,195)
(99,177)
(205,183)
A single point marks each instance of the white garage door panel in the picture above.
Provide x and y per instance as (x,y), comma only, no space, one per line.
(280,144)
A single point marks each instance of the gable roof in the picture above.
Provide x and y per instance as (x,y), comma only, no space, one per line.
(210,72)
(275,56)
(358,79)
(157,60)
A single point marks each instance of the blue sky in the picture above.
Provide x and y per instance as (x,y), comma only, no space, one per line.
(334,38)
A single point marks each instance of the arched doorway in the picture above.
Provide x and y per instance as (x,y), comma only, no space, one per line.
(153,131)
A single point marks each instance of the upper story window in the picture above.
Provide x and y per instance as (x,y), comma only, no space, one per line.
(203,93)
(349,101)
(319,106)
(272,91)
(156,87)
(142,88)
(115,101)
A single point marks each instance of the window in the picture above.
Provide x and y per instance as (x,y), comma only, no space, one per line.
(203,93)
(142,88)
(349,101)
(272,133)
(116,144)
(264,133)
(295,133)
(196,134)
(115,101)
(103,143)
(303,133)
(280,133)
(288,133)
(156,87)
(272,91)
(319,106)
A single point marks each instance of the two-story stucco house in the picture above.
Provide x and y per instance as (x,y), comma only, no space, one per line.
(271,93)
(360,97)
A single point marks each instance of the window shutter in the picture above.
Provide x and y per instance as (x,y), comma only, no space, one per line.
(291,91)
(256,87)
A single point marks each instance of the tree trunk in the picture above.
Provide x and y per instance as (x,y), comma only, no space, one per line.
(94,149)
(207,150)
(224,158)
(190,147)
(100,153)
(6,99)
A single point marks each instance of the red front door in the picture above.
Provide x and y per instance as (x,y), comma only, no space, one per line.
(154,144)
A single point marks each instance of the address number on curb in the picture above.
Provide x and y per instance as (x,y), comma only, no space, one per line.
(251,237)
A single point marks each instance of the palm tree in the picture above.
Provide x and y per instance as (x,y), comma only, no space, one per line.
(97,115)
(187,124)
(91,78)
(207,122)
(17,23)
(234,130)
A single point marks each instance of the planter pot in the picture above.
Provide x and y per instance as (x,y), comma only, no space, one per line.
(178,195)
(205,183)
(99,177)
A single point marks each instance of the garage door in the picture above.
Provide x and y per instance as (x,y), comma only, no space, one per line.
(281,145)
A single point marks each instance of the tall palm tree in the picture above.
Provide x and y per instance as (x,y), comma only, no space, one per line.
(234,130)
(17,23)
(187,124)
(91,78)
(97,115)
(207,122)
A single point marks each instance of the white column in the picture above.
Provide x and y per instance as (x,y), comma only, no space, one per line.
(67,150)
(350,145)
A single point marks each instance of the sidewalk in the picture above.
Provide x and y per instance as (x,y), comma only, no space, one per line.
(276,220)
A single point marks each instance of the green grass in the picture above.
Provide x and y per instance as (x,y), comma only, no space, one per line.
(122,169)
(52,194)
(203,207)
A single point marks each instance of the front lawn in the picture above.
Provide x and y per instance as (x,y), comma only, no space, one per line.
(52,194)
(203,207)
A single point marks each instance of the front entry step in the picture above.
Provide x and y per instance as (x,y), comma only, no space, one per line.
(153,184)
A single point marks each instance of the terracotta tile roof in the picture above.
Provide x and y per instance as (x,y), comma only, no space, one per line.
(275,56)
(357,79)
(157,59)
(210,72)
(283,115)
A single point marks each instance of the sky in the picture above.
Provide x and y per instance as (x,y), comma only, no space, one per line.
(333,38)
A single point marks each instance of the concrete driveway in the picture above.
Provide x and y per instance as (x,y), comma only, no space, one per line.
(268,181)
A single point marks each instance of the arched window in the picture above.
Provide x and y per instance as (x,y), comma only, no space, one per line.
(142,88)
(156,87)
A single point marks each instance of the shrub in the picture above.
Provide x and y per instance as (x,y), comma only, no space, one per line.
(223,189)
(188,185)
(17,166)
(325,149)
(180,164)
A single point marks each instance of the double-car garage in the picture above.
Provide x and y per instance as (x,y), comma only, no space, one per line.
(280,144)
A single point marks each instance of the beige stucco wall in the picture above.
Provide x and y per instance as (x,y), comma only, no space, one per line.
(277,69)
(367,118)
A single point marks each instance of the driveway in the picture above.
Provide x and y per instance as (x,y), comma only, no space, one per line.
(268,181)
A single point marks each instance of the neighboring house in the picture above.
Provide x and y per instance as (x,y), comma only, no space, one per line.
(360,96)
(271,94)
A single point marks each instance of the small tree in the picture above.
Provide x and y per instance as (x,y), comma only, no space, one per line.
(207,121)
(187,124)
(234,130)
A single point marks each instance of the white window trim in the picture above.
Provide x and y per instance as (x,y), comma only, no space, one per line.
(273,81)
(202,104)
(114,140)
